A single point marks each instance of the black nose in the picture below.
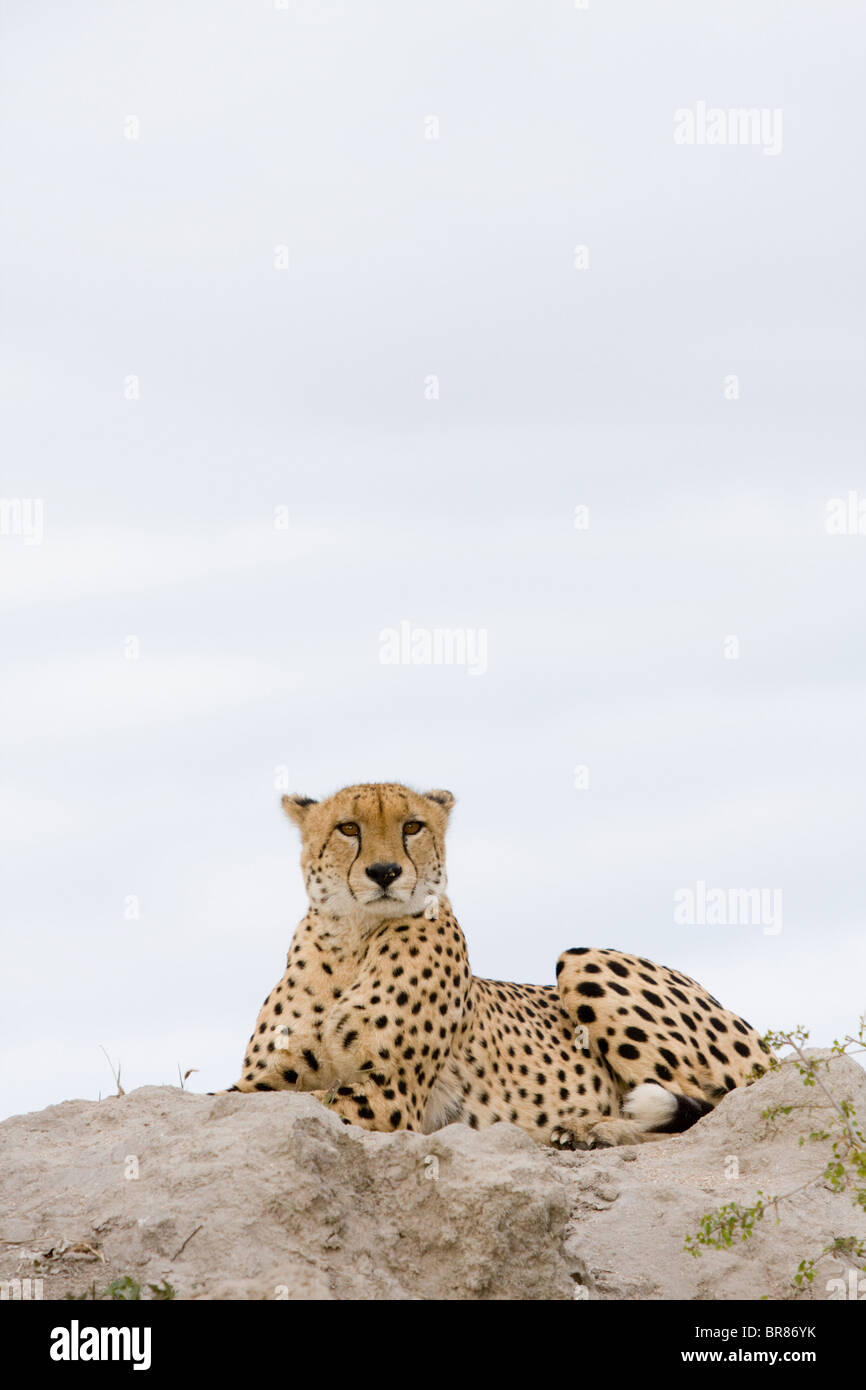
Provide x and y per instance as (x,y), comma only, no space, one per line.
(383,874)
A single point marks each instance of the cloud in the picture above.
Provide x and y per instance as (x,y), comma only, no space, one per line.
(26,816)
(92,695)
(80,563)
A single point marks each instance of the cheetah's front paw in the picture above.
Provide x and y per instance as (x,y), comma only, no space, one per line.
(597,1134)
(579,1137)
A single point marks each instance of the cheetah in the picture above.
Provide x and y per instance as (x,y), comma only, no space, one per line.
(379,1015)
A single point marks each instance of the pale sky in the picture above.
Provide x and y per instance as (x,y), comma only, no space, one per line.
(234,261)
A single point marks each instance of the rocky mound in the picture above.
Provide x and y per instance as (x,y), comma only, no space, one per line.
(271,1196)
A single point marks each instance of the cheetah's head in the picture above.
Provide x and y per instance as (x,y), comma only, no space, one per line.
(376,851)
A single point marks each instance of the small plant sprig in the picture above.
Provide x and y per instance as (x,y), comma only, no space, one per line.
(718,1229)
(115,1071)
(845,1170)
(847,1246)
(124,1290)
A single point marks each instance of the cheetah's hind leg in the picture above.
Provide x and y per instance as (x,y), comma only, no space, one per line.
(648,1112)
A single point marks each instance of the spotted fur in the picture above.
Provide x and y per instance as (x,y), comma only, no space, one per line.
(379,1014)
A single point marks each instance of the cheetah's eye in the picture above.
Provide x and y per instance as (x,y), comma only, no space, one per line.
(350,828)
(412,827)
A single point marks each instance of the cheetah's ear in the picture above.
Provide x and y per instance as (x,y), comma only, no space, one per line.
(296,807)
(442,798)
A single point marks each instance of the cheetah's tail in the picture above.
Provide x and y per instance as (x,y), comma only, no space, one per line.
(663,1112)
